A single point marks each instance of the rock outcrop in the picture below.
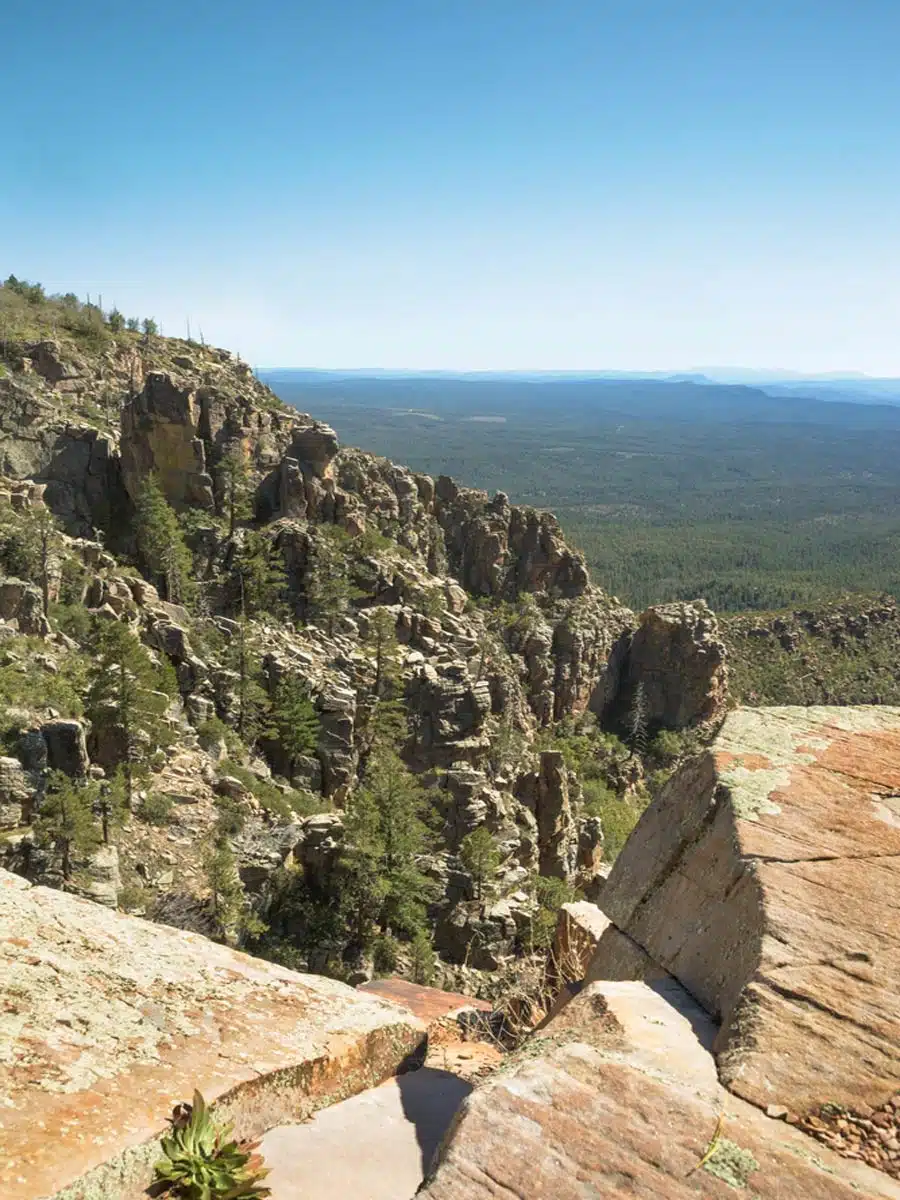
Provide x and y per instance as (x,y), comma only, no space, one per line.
(764,877)
(620,1098)
(670,671)
(109,1021)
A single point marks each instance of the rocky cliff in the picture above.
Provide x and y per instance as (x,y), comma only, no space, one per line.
(731,1020)
(500,648)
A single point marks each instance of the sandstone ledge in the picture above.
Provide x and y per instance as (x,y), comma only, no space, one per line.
(766,878)
(619,1098)
(107,1021)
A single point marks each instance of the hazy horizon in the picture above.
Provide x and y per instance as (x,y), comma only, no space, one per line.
(544,187)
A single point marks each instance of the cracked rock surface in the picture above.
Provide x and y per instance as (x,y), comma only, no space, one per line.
(108,1021)
(766,878)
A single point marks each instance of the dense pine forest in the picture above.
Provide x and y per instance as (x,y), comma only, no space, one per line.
(672,489)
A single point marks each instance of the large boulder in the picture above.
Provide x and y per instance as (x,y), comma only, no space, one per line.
(671,671)
(66,747)
(110,1021)
(618,1097)
(765,878)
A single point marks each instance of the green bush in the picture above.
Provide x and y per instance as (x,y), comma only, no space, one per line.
(618,815)
(286,805)
(385,953)
(156,808)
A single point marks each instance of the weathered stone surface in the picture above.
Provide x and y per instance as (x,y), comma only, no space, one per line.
(497,549)
(622,1100)
(429,1004)
(161,436)
(110,1020)
(676,658)
(618,958)
(18,789)
(21,602)
(765,877)
(66,747)
(546,793)
(579,927)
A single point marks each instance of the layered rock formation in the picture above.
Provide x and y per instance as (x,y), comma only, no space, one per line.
(109,1022)
(618,1097)
(500,635)
(764,878)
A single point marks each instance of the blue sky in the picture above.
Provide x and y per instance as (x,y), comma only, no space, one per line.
(473,184)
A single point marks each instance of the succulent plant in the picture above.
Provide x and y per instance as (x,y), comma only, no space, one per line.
(201,1162)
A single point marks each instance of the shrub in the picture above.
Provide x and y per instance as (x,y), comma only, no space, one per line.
(618,815)
(156,808)
(385,955)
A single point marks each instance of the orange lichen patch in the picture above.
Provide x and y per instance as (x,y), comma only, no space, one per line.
(119,1019)
(870,757)
(426,1003)
(752,762)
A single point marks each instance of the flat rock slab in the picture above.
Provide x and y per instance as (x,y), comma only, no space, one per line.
(375,1146)
(619,1098)
(107,1021)
(766,878)
(427,1003)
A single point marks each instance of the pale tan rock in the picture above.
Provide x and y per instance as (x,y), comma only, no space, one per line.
(624,1102)
(579,927)
(765,877)
(107,1021)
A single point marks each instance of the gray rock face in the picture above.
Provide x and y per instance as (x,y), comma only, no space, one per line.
(546,794)
(450,712)
(677,660)
(18,791)
(161,436)
(20,602)
(66,747)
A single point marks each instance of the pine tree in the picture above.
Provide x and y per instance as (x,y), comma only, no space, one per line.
(127,699)
(480,857)
(422,958)
(253,702)
(29,543)
(295,721)
(328,587)
(232,915)
(112,804)
(161,543)
(637,721)
(236,486)
(385,826)
(258,583)
(387,722)
(66,819)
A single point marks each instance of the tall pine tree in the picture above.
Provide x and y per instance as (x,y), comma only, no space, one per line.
(236,486)
(126,701)
(66,819)
(161,545)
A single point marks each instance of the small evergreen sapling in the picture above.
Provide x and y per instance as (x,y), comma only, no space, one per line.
(66,819)
(479,855)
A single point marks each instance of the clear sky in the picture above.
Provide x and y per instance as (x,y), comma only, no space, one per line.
(473,184)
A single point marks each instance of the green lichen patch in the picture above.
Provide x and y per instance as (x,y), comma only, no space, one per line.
(730,1163)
